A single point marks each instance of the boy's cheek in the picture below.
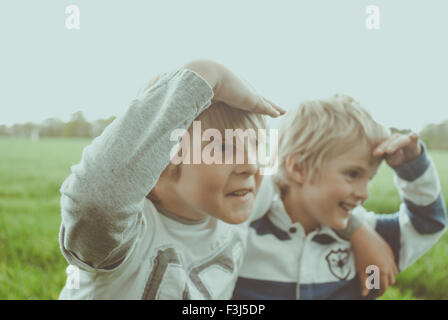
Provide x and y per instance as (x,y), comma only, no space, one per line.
(258,180)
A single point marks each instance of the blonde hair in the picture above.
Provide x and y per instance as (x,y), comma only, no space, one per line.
(320,129)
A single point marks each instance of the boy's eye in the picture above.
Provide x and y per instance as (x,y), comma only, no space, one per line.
(353,174)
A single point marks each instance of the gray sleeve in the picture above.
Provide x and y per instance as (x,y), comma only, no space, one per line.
(102,199)
(353,223)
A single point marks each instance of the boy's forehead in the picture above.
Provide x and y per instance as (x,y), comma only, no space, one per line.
(361,156)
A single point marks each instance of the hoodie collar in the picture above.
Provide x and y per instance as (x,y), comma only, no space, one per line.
(279,217)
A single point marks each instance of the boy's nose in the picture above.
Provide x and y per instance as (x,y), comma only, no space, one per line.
(362,192)
(246,168)
(246,161)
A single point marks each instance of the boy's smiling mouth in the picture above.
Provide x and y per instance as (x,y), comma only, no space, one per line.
(240,193)
(347,207)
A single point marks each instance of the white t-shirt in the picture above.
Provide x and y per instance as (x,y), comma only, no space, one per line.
(170,259)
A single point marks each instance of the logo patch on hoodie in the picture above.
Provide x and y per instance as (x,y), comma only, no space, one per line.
(338,263)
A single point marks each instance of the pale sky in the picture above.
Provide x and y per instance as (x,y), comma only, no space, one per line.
(289,51)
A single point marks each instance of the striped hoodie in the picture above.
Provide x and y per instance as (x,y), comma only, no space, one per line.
(284,263)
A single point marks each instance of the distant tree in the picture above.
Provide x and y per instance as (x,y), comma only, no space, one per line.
(99,125)
(78,126)
(24,129)
(52,127)
(435,136)
(402,131)
(4,131)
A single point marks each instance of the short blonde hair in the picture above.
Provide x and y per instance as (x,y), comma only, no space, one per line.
(320,129)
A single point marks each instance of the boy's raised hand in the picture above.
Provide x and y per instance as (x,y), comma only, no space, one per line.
(228,88)
(399,149)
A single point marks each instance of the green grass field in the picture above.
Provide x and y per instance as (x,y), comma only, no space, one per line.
(32,267)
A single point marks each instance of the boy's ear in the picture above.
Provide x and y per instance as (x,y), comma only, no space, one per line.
(295,172)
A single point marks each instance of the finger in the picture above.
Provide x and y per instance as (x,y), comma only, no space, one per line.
(270,107)
(393,144)
(392,275)
(392,279)
(384,284)
(378,152)
(364,289)
(255,103)
(381,148)
(399,143)
(259,103)
(414,136)
(275,106)
(267,107)
(396,271)
(414,139)
(414,147)
(384,146)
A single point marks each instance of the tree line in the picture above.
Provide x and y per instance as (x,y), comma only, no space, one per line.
(435,136)
(77,126)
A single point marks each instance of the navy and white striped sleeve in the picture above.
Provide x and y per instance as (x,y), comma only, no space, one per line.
(422,217)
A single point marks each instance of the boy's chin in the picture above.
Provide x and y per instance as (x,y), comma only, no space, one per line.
(236,217)
(340,224)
